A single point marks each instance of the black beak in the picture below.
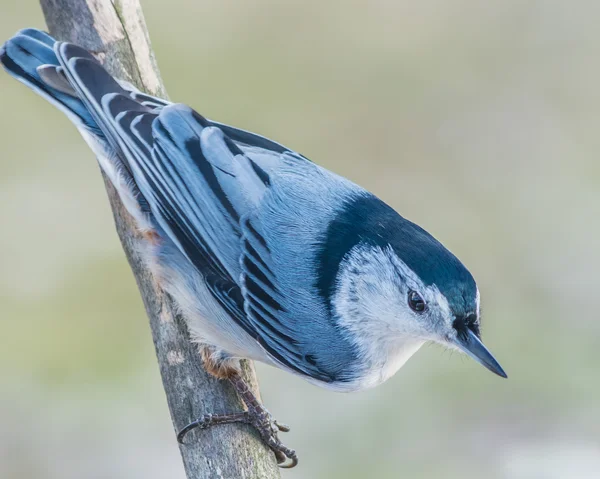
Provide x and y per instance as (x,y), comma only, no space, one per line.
(472,345)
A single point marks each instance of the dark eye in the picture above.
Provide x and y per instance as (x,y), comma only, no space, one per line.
(415,302)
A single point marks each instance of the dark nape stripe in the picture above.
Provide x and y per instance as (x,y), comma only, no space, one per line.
(365,219)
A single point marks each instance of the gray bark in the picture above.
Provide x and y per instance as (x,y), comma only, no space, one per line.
(115,31)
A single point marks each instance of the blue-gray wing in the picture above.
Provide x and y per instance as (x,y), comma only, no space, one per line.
(214,198)
(284,241)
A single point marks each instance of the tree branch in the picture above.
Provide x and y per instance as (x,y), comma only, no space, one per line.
(115,31)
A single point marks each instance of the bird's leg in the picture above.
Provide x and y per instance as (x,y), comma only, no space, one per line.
(266,425)
(256,415)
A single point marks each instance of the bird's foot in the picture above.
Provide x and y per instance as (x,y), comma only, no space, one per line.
(257,416)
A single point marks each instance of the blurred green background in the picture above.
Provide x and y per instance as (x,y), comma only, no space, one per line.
(478,120)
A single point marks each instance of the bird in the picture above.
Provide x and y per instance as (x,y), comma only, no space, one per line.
(267,255)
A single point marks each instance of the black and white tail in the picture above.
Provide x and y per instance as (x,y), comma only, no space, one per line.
(33,57)
(29,57)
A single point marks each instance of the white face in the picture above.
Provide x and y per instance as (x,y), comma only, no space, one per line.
(374,284)
(372,304)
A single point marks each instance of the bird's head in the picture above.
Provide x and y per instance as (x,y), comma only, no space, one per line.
(399,283)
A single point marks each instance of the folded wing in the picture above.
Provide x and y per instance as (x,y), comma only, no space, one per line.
(202,189)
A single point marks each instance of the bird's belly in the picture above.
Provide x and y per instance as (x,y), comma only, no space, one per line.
(208,323)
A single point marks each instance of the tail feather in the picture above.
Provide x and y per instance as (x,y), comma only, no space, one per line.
(38,35)
(34,58)
(31,51)
(54,77)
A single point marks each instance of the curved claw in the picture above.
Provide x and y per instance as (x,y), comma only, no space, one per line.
(293,460)
(193,425)
(282,427)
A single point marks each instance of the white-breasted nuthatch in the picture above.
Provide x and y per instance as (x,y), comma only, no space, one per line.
(268,256)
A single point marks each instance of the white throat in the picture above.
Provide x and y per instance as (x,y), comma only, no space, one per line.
(383,362)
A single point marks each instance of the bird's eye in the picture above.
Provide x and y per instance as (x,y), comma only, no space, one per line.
(415,302)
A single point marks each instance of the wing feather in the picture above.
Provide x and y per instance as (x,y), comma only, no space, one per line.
(203,190)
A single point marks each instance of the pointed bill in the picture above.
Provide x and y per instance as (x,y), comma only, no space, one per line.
(473,347)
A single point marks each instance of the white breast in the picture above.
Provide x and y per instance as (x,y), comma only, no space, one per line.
(378,366)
